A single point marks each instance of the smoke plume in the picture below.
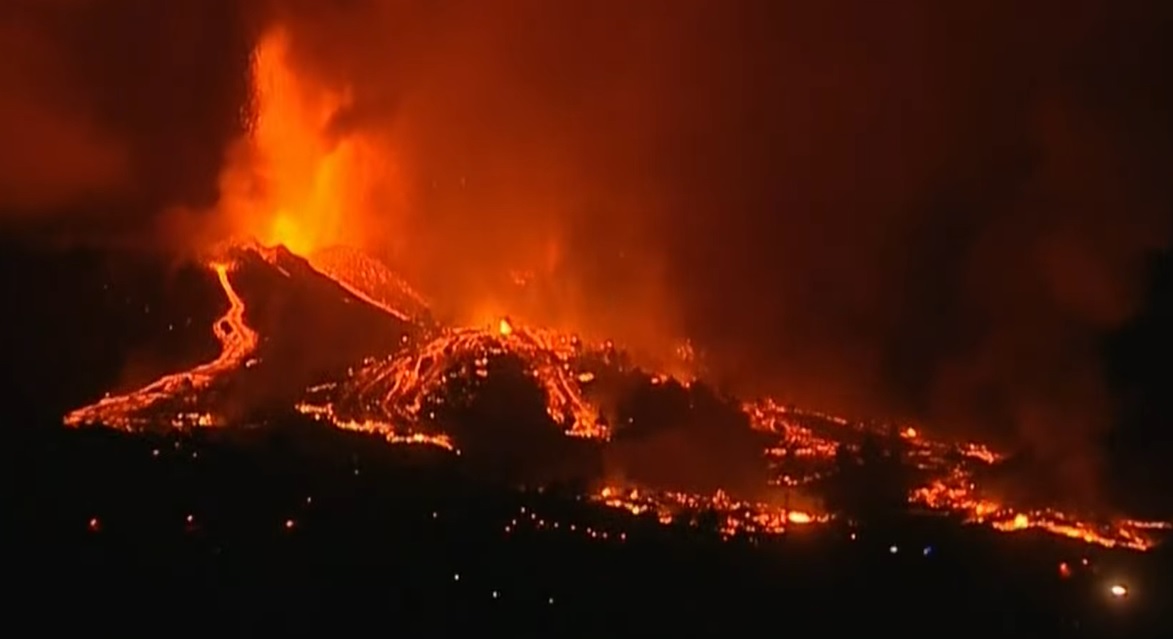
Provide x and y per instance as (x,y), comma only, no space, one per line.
(913,209)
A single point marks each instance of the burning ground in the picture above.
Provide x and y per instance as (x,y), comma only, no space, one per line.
(537,406)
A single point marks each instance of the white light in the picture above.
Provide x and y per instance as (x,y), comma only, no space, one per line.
(893,549)
(456,577)
(1118,590)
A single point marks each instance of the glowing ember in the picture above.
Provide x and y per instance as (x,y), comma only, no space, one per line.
(388,432)
(371,281)
(732,517)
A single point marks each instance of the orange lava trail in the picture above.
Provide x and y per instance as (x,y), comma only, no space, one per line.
(237,342)
(398,389)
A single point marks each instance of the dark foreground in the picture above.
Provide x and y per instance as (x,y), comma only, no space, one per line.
(124,536)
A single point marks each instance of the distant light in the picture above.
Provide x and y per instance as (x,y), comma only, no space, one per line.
(494,594)
(799,517)
(927,551)
(289,524)
(550,601)
(95,524)
(893,549)
(1064,570)
(456,577)
(1119,590)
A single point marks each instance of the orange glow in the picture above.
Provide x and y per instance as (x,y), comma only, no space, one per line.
(394,392)
(950,469)
(294,180)
(734,516)
(237,343)
(797,517)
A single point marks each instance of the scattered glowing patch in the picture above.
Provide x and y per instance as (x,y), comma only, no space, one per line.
(797,517)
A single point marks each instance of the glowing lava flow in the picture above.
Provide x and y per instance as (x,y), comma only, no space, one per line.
(237,342)
(404,389)
(806,452)
(732,517)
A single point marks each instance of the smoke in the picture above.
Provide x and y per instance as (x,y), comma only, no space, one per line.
(913,209)
(113,110)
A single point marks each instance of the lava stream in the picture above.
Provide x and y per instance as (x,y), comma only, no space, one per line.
(237,342)
(400,388)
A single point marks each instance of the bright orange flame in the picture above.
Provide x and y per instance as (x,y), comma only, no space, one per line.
(798,517)
(296,180)
(504,327)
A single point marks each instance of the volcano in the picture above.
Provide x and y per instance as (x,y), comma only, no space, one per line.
(344,341)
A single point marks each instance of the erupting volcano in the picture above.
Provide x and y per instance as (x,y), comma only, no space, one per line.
(399,396)
(302,186)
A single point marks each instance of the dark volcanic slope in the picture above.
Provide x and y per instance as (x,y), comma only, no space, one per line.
(310,327)
(84,322)
(81,322)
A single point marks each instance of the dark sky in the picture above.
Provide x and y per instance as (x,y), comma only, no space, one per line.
(912,208)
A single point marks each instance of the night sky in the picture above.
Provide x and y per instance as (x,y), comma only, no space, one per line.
(914,208)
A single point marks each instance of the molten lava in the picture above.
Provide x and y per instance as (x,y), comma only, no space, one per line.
(397,398)
(130,411)
(733,517)
(406,388)
(299,179)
